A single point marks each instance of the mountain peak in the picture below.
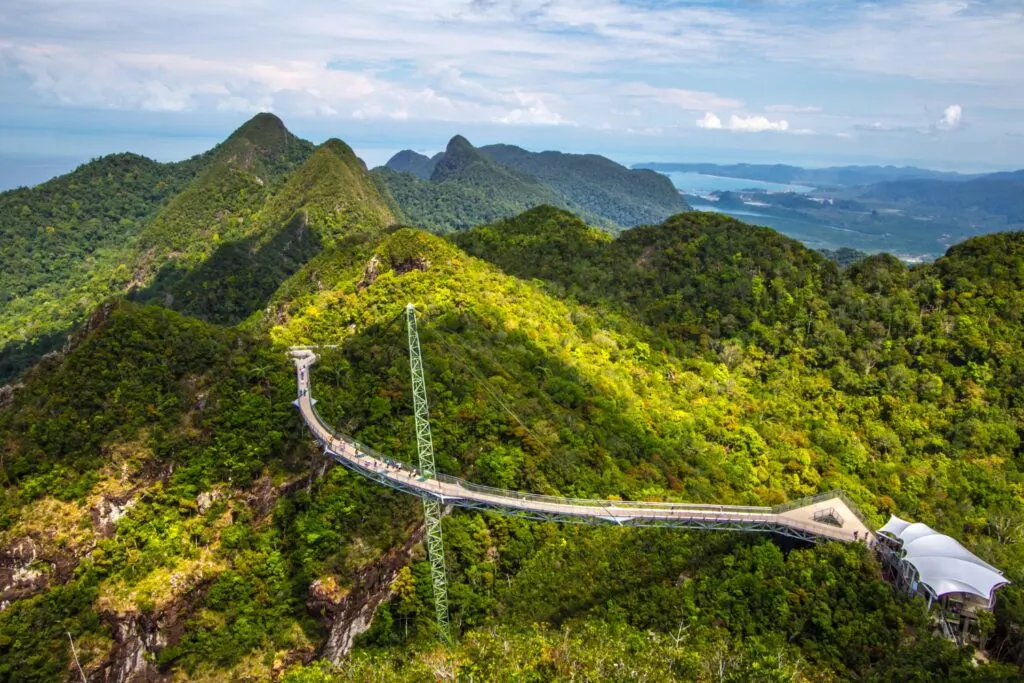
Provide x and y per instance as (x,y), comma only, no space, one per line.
(408,161)
(341,149)
(264,135)
(264,129)
(459,144)
(458,156)
(262,146)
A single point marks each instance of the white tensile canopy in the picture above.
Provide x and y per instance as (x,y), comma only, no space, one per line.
(942,564)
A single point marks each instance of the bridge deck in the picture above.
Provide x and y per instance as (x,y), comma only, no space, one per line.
(799,522)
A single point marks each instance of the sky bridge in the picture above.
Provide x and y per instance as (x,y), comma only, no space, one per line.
(918,559)
(827,516)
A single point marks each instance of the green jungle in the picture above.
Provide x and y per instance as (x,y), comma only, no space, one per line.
(165,515)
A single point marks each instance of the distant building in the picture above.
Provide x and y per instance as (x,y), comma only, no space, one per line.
(954,581)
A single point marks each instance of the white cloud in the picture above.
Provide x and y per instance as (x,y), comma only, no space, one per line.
(879,127)
(593,63)
(952,116)
(951,119)
(756,124)
(747,124)
(709,120)
(532,110)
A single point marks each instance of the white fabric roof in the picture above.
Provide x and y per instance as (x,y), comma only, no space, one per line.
(942,563)
(894,526)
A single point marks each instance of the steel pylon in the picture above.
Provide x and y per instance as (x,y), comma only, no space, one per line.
(431,505)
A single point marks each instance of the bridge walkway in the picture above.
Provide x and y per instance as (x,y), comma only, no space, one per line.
(804,519)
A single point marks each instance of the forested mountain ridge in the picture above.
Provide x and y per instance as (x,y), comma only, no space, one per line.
(697,274)
(163,509)
(233,552)
(212,236)
(408,161)
(598,184)
(466,188)
(72,242)
(1000,195)
(64,245)
(221,203)
(504,180)
(328,198)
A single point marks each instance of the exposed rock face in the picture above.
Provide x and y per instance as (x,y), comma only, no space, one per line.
(369,273)
(7,394)
(138,638)
(107,512)
(21,574)
(413,263)
(353,613)
(135,636)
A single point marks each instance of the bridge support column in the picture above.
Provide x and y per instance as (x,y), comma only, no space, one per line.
(431,505)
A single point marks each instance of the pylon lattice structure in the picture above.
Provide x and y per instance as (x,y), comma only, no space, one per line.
(431,504)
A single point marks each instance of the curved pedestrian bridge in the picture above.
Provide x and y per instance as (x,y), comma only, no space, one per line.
(829,515)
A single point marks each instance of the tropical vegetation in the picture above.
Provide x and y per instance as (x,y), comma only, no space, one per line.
(163,511)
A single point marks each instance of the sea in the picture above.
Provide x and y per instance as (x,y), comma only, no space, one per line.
(697,187)
(701,185)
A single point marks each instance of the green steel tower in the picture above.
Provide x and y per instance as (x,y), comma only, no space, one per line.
(431,505)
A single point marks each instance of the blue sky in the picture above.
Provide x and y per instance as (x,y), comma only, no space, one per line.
(931,82)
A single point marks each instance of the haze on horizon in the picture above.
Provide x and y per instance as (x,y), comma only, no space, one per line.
(936,83)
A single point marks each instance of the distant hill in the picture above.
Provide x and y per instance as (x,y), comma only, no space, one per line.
(997,195)
(64,245)
(598,184)
(844,256)
(466,186)
(1007,175)
(408,161)
(843,176)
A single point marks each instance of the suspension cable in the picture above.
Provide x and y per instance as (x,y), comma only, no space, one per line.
(459,357)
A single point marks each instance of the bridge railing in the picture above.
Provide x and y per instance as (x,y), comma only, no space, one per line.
(754,511)
(535,497)
(751,517)
(817,498)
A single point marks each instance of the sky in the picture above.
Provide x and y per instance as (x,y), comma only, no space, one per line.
(935,83)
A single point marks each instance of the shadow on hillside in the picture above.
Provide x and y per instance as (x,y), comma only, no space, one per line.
(18,356)
(238,279)
(487,371)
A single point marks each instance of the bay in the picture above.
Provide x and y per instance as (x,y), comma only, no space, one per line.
(701,184)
